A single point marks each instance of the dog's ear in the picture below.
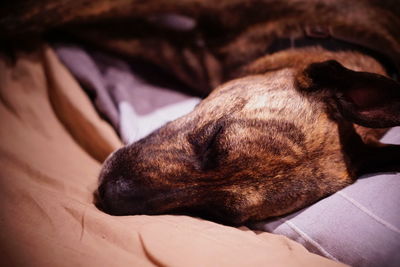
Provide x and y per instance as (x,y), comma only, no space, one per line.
(367,99)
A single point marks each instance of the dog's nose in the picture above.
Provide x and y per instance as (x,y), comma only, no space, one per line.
(115,198)
(120,191)
(125,196)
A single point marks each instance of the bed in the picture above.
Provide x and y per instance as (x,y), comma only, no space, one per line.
(60,121)
(52,145)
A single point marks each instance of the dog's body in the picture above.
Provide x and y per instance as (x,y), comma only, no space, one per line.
(277,133)
(278,137)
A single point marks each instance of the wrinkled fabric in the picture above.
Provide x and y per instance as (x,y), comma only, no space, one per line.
(52,143)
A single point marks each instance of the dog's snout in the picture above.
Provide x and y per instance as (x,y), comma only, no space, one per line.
(127,186)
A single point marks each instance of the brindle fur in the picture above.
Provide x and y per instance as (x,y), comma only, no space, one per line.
(278,131)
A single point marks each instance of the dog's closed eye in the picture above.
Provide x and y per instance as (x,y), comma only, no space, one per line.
(206,145)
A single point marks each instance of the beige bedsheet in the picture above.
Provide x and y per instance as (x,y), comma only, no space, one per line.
(52,143)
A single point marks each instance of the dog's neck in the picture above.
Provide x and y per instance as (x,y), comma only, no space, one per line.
(294,44)
(298,58)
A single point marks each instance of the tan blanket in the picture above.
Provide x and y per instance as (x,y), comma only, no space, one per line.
(52,143)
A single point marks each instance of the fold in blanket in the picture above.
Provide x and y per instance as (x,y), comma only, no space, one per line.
(134,105)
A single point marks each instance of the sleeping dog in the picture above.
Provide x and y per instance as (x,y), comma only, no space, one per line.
(303,91)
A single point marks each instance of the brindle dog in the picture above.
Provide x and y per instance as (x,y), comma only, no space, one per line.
(286,131)
(299,85)
(259,146)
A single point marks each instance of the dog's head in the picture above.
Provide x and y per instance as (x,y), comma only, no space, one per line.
(256,147)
